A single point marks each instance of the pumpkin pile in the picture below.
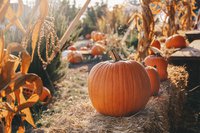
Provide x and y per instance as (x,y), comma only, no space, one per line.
(97,49)
(74,57)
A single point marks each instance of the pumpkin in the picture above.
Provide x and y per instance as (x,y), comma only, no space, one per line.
(175,41)
(97,49)
(156,44)
(118,88)
(28,91)
(73,48)
(154,79)
(46,95)
(97,36)
(74,57)
(159,63)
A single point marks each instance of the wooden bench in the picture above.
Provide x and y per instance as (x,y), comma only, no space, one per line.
(189,57)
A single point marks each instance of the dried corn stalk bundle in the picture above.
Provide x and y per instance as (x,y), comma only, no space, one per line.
(186,14)
(43,28)
(112,20)
(169,25)
(11,85)
(145,26)
(12,99)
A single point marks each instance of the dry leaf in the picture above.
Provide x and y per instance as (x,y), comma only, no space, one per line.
(4,8)
(20,8)
(44,8)
(35,34)
(12,17)
(26,61)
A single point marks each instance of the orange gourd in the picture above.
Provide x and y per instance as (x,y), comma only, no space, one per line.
(97,36)
(175,41)
(74,57)
(154,79)
(156,44)
(97,49)
(118,88)
(159,63)
(46,94)
(28,91)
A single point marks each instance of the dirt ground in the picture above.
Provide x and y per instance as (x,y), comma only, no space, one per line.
(72,88)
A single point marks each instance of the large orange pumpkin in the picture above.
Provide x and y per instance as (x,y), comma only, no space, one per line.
(156,44)
(154,79)
(97,49)
(160,63)
(118,88)
(74,57)
(175,41)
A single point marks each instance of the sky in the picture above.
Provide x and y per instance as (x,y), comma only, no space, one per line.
(80,3)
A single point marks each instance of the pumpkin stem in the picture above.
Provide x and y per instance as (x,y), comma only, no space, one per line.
(143,63)
(115,56)
(158,55)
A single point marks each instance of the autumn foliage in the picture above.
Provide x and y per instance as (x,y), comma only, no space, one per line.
(20,90)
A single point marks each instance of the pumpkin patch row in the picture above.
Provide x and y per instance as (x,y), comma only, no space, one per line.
(75,56)
(125,86)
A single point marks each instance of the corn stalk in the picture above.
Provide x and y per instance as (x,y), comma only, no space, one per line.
(12,82)
(144,22)
(186,14)
(169,25)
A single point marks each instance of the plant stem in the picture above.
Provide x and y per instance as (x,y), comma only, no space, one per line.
(115,56)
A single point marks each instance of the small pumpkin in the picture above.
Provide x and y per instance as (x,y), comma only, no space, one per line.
(74,57)
(175,41)
(46,94)
(72,47)
(97,49)
(160,63)
(154,79)
(156,44)
(44,97)
(118,88)
(97,36)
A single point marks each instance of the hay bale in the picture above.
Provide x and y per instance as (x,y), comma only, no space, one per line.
(160,115)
